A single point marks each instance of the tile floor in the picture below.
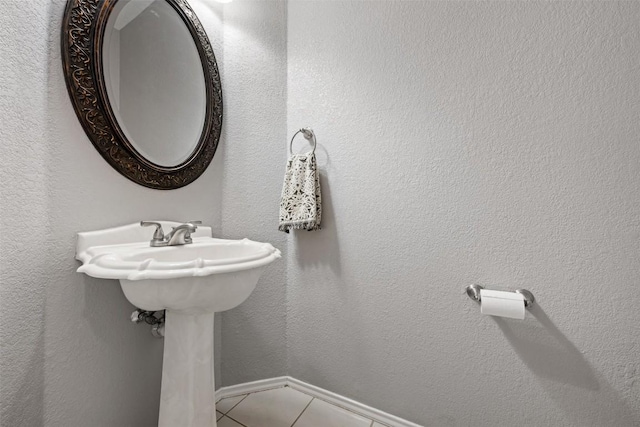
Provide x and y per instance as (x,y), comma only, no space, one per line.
(285,407)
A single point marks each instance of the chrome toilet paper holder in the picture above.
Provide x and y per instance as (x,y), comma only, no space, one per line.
(473,291)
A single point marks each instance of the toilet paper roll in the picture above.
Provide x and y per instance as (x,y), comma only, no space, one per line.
(503,304)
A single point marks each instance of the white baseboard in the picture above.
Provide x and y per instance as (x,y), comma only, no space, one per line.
(250,387)
(317,392)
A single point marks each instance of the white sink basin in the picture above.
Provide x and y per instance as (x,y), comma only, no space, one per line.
(207,275)
(190,282)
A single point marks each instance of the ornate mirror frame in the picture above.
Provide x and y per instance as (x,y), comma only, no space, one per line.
(83,29)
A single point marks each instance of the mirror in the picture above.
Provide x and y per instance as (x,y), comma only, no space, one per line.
(144,82)
(154,80)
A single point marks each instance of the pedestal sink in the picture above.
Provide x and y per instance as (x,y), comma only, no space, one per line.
(191,282)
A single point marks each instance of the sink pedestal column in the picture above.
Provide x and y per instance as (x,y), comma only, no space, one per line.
(187,398)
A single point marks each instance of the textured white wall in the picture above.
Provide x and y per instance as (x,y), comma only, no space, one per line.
(462,142)
(254,84)
(70,356)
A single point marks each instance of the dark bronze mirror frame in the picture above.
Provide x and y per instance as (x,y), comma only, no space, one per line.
(83,30)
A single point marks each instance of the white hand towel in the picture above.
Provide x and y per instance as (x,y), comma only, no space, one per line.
(301,202)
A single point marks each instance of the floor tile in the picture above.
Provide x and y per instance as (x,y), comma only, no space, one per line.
(225,405)
(323,414)
(228,422)
(219,415)
(278,407)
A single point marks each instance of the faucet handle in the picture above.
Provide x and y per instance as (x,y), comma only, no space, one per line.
(195,224)
(158,234)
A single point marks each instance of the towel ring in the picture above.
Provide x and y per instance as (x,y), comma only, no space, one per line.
(309,136)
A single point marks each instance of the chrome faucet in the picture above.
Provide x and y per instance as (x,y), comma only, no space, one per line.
(180,235)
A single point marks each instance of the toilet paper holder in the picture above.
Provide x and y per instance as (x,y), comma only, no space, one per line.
(473,291)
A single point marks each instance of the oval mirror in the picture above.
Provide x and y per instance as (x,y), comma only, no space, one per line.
(144,82)
(154,80)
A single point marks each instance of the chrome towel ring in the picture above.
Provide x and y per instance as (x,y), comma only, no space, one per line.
(309,136)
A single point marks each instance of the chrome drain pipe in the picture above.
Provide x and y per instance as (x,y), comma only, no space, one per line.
(153,318)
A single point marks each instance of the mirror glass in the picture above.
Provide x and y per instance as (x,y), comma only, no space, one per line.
(154,80)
